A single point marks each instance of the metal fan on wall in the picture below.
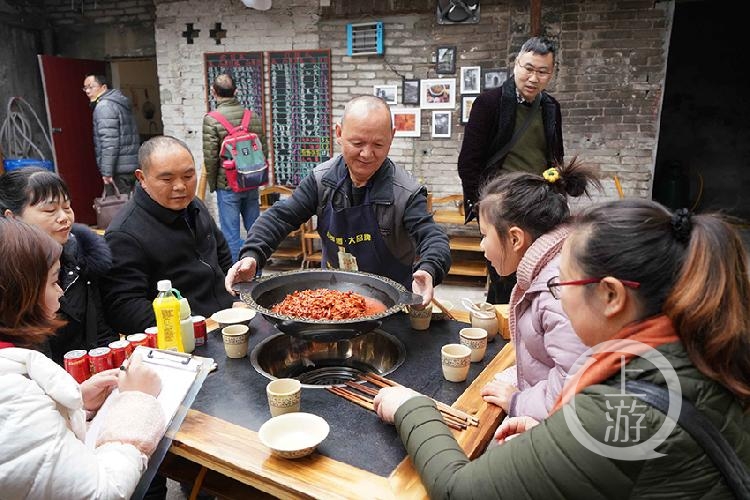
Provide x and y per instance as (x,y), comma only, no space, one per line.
(458,11)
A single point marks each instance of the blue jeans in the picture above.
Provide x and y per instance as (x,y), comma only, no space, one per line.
(231,206)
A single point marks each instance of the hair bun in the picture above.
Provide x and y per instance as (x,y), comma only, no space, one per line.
(681,224)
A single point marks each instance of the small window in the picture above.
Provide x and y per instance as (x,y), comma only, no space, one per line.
(364,39)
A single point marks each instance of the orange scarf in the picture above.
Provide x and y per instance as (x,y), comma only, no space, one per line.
(652,333)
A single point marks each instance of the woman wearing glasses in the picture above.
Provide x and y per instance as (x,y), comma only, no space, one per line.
(675,286)
(522,219)
(41,198)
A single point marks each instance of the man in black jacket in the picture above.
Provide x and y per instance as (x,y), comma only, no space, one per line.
(515,127)
(369,210)
(116,137)
(164,232)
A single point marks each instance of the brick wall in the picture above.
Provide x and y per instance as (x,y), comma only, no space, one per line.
(612,64)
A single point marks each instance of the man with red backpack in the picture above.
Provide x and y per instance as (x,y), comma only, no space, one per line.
(233,200)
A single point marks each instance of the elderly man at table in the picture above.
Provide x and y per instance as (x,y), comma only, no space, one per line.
(164,232)
(367,207)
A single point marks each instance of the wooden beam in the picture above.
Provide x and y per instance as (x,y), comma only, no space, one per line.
(536,17)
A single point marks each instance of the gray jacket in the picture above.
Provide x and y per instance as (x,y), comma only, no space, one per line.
(116,138)
(407,227)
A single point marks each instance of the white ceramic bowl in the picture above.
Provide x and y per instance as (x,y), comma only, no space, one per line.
(293,435)
(233,316)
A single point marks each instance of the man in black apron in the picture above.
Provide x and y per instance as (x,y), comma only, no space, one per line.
(372,215)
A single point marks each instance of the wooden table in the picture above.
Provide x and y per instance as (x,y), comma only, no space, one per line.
(206,446)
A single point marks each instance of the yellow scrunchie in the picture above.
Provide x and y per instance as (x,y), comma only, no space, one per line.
(551,175)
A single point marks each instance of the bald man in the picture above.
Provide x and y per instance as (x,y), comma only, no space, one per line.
(368,208)
(164,232)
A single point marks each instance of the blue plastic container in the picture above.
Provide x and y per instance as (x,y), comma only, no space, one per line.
(16,163)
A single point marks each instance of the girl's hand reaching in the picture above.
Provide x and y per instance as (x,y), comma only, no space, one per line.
(498,393)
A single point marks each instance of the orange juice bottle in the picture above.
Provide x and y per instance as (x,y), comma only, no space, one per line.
(167,311)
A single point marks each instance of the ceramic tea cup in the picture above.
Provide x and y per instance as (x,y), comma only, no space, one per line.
(455,360)
(420,318)
(476,340)
(235,338)
(284,396)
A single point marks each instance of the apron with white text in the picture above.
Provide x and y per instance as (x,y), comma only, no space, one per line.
(355,229)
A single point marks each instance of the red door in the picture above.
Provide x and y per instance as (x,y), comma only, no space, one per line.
(69,119)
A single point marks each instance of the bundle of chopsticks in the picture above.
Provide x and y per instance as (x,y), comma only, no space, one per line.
(361,395)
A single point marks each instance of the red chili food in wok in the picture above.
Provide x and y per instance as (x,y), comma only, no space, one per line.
(325,304)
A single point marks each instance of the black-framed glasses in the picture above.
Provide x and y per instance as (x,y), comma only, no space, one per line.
(91,87)
(542,74)
(554,284)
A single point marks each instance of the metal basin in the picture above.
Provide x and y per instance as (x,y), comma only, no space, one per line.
(321,364)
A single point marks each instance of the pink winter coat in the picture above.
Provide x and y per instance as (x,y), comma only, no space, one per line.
(546,345)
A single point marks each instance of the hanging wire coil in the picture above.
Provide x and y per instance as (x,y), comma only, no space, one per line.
(16,131)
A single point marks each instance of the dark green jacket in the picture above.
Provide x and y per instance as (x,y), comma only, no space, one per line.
(214,133)
(548,462)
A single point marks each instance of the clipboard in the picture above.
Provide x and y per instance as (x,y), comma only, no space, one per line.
(182,376)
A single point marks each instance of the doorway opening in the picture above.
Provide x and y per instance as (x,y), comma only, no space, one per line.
(138,80)
(704,140)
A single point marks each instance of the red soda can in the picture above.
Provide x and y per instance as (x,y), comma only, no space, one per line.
(77,364)
(121,349)
(100,359)
(199,330)
(152,336)
(137,339)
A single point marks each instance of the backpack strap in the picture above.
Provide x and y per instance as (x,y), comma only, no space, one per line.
(222,120)
(246,117)
(704,433)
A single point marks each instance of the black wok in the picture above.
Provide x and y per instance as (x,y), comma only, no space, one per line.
(267,291)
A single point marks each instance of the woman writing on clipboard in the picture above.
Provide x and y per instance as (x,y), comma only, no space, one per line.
(43,409)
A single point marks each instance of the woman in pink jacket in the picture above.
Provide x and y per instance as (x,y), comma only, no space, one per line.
(522,220)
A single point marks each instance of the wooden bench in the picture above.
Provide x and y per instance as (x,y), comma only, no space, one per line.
(311,246)
(294,249)
(449,211)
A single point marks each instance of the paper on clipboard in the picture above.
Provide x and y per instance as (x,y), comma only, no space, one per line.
(178,373)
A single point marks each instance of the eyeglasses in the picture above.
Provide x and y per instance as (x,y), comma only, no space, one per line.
(90,87)
(542,74)
(554,283)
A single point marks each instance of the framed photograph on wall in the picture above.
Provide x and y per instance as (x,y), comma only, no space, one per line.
(441,124)
(494,78)
(439,93)
(386,92)
(407,122)
(445,60)
(466,103)
(411,91)
(470,79)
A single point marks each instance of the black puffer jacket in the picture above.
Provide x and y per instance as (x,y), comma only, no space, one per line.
(116,139)
(84,260)
(150,243)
